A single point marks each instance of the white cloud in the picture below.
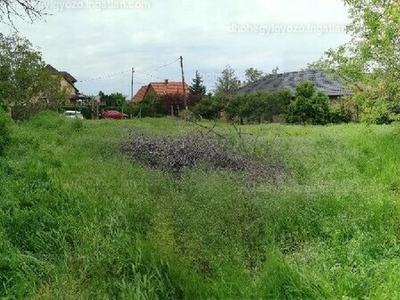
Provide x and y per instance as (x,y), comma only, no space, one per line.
(96,41)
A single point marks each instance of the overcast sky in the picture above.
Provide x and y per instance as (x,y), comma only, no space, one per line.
(98,42)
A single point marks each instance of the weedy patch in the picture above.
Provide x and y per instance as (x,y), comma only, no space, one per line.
(209,152)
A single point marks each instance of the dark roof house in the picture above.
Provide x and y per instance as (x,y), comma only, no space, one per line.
(68,77)
(333,87)
(67,82)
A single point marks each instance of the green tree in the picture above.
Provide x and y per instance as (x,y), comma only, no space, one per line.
(257,107)
(26,87)
(278,104)
(113,99)
(210,106)
(253,75)
(150,106)
(197,87)
(248,107)
(234,107)
(370,61)
(227,84)
(309,106)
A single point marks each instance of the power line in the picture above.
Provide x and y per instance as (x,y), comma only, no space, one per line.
(158,68)
(126,71)
(105,76)
(148,74)
(166,65)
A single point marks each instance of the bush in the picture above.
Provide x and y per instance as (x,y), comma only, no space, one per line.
(258,107)
(375,109)
(87,112)
(5,135)
(234,107)
(26,111)
(309,106)
(210,107)
(48,120)
(340,115)
(150,106)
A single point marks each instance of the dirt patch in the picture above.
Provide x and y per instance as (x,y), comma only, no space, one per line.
(198,151)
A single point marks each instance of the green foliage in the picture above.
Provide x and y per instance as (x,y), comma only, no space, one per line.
(253,74)
(282,281)
(375,109)
(114,99)
(87,112)
(169,104)
(78,220)
(340,115)
(5,134)
(47,120)
(309,106)
(197,87)
(258,107)
(234,106)
(250,108)
(369,62)
(280,101)
(344,110)
(210,107)
(227,83)
(25,85)
(150,106)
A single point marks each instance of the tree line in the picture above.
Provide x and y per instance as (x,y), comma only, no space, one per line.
(306,106)
(369,63)
(26,88)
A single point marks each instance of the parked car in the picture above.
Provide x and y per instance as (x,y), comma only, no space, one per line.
(114,114)
(72,114)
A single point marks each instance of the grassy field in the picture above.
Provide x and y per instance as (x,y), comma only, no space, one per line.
(79,219)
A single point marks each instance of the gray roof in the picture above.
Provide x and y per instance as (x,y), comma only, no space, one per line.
(288,81)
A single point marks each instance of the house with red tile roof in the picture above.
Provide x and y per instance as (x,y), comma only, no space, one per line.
(160,89)
(140,94)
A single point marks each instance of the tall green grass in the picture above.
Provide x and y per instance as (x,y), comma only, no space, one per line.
(79,220)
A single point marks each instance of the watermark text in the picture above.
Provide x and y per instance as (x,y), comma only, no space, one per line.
(283,29)
(97,5)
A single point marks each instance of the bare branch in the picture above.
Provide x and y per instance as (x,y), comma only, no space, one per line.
(210,129)
(27,10)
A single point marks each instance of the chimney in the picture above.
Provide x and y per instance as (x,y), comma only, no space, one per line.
(166,81)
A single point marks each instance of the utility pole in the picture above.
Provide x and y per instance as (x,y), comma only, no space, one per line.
(183,83)
(133,70)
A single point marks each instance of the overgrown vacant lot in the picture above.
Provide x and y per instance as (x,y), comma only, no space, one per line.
(84,217)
